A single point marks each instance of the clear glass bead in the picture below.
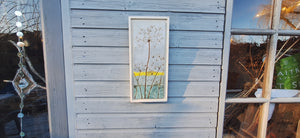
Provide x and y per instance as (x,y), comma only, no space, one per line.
(18,13)
(18,24)
(19,55)
(19,34)
(20,115)
(22,134)
(23,83)
(21,44)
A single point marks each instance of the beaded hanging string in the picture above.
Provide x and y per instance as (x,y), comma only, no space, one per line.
(23,81)
(22,84)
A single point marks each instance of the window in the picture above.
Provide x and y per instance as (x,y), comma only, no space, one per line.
(263,85)
(25,69)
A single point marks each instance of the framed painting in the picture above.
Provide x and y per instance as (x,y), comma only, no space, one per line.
(149,58)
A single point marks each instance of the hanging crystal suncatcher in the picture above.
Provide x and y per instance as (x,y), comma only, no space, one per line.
(23,82)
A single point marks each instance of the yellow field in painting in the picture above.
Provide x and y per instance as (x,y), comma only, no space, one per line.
(150,73)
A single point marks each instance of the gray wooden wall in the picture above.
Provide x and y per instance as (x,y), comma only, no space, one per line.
(99,99)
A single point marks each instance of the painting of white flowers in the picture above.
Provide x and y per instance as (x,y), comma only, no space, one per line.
(149,52)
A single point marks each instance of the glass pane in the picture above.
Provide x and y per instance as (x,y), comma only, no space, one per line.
(284,121)
(34,115)
(290,14)
(241,120)
(287,68)
(245,65)
(254,14)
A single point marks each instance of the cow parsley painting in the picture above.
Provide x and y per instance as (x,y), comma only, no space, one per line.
(149,48)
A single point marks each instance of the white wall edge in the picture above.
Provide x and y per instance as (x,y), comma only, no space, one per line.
(225,63)
(67,40)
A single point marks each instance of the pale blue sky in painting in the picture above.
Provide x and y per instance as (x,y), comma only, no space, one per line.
(244,12)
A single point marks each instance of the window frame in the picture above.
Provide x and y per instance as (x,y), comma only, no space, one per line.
(273,32)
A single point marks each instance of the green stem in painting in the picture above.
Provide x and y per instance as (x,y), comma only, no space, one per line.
(159,87)
(147,69)
(149,92)
(134,97)
(138,85)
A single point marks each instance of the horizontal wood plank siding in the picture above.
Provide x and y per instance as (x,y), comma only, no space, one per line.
(119,19)
(121,105)
(100,63)
(207,6)
(121,72)
(153,120)
(149,133)
(120,55)
(120,89)
(103,37)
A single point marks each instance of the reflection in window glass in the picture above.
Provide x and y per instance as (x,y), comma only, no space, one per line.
(254,14)
(241,120)
(35,120)
(284,121)
(290,14)
(287,68)
(245,65)
(35,114)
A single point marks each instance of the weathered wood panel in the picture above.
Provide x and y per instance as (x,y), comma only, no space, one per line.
(101,89)
(210,6)
(121,72)
(114,37)
(120,55)
(100,55)
(119,19)
(101,71)
(123,105)
(99,37)
(195,56)
(194,73)
(121,89)
(149,120)
(56,80)
(193,89)
(149,133)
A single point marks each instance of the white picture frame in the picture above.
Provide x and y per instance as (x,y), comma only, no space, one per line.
(148,58)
